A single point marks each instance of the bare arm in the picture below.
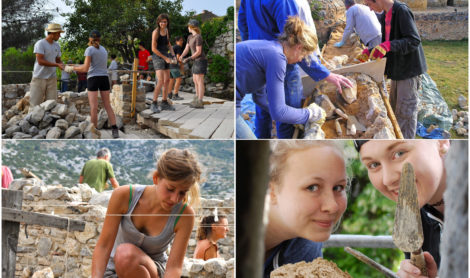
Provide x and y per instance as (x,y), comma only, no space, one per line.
(117,205)
(185,51)
(183,230)
(114,183)
(85,67)
(198,52)
(44,62)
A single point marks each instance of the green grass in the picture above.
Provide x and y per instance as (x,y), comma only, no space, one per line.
(448,66)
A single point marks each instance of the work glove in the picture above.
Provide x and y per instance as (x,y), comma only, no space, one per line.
(338,44)
(364,56)
(68,69)
(380,50)
(317,114)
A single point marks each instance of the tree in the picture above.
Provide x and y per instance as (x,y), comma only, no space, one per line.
(23,22)
(121,21)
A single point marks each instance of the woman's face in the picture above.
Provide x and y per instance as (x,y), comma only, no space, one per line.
(163,23)
(220,229)
(311,196)
(170,193)
(384,161)
(295,54)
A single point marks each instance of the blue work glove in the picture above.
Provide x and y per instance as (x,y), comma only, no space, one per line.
(339,44)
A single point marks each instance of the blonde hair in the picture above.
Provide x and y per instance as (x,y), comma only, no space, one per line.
(297,32)
(181,165)
(281,149)
(195,28)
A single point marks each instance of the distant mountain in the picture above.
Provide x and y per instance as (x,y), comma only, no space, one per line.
(60,161)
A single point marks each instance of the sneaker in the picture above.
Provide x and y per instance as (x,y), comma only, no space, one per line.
(154,107)
(115,133)
(177,97)
(166,106)
(198,104)
(170,95)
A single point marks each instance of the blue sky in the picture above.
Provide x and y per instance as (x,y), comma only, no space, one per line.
(218,7)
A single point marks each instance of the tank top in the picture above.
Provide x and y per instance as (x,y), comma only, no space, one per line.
(154,246)
(162,44)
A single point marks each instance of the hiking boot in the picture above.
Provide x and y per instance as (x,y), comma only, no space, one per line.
(193,102)
(170,95)
(198,104)
(177,97)
(154,107)
(115,133)
(166,106)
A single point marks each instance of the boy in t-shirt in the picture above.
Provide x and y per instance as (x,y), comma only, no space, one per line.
(176,70)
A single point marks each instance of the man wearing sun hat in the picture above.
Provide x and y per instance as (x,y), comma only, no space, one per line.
(44,82)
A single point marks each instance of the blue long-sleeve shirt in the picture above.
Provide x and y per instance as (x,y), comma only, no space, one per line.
(261,70)
(265,19)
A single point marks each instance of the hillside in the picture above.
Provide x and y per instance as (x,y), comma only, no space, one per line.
(60,161)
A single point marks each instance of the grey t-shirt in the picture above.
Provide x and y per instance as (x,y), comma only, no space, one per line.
(99,61)
(50,51)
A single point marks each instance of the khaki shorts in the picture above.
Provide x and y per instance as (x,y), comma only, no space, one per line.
(42,90)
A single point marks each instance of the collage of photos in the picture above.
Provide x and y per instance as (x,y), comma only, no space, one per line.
(234,138)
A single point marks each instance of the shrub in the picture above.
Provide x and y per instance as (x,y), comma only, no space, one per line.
(17,60)
(219,69)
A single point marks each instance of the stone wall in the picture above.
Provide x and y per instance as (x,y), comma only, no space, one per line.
(69,254)
(443,24)
(121,101)
(13,93)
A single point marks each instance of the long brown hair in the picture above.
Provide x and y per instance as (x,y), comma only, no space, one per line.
(159,19)
(94,42)
(205,227)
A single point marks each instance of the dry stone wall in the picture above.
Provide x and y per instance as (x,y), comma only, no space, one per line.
(69,254)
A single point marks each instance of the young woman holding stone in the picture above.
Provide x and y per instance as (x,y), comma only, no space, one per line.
(141,222)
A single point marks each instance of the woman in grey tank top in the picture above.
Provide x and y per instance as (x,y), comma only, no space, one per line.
(142,221)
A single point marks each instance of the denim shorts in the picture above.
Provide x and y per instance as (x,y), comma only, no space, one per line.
(199,66)
(159,63)
(175,73)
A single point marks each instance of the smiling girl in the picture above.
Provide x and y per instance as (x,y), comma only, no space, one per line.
(307,193)
(384,161)
(141,222)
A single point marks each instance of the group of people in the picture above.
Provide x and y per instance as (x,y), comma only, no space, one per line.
(142,221)
(308,185)
(280,36)
(167,61)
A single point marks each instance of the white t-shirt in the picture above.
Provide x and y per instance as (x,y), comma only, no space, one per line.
(50,51)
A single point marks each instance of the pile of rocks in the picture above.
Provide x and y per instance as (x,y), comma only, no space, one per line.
(460,118)
(65,254)
(12,94)
(50,120)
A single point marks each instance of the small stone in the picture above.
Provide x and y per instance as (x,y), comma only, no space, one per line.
(48,104)
(44,246)
(13,129)
(102,118)
(72,132)
(324,102)
(54,193)
(54,133)
(25,126)
(36,115)
(463,103)
(33,130)
(62,124)
(69,118)
(60,109)
(44,273)
(350,94)
(21,135)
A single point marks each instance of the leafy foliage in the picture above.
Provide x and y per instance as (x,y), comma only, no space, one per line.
(316,6)
(23,22)
(368,213)
(16,60)
(219,69)
(122,22)
(216,26)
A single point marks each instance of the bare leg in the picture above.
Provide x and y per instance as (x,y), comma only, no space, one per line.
(158,87)
(131,261)
(107,107)
(200,85)
(166,84)
(177,85)
(93,100)
(172,83)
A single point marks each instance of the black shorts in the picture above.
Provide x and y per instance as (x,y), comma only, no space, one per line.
(159,63)
(199,67)
(96,83)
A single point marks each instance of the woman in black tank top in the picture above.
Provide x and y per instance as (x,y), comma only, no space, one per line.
(162,57)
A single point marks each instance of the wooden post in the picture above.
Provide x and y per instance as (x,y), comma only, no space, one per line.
(134,85)
(10,199)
